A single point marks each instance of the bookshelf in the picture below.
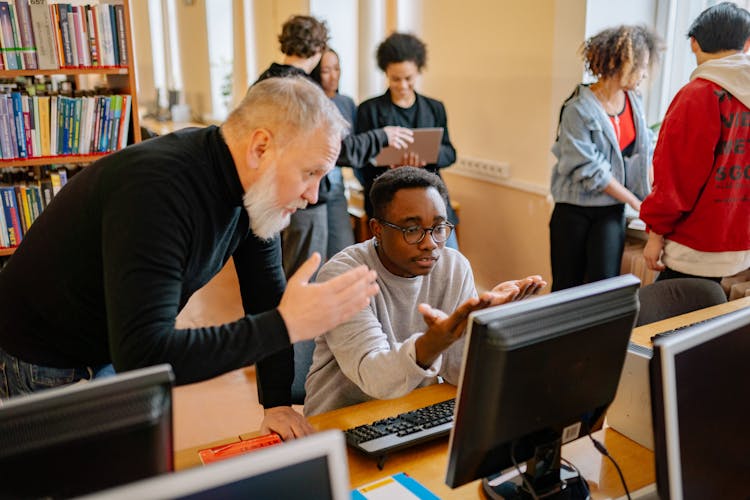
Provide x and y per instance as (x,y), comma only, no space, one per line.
(93,50)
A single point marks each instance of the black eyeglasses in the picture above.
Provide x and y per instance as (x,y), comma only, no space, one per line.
(415,234)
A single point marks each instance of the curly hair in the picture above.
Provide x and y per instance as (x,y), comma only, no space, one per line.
(394,180)
(303,36)
(620,50)
(400,47)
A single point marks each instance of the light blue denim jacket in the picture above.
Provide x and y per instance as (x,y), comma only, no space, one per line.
(588,155)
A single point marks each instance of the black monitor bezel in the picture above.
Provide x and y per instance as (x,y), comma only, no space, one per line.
(561,313)
(668,452)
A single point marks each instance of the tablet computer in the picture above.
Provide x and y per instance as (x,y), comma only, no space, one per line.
(426,144)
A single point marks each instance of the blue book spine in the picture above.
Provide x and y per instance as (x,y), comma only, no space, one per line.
(18,120)
(113,24)
(65,33)
(5,130)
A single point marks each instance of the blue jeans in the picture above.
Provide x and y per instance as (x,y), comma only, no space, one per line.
(18,377)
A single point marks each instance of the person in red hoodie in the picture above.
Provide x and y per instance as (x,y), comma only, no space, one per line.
(698,212)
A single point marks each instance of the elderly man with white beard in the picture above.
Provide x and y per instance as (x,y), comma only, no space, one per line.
(101,275)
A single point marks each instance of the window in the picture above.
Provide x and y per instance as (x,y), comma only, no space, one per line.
(220,55)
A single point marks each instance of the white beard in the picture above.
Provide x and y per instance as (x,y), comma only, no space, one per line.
(260,200)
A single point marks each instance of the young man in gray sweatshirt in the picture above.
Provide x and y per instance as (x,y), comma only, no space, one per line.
(412,333)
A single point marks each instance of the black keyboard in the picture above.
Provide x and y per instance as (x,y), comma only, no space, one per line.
(681,328)
(404,430)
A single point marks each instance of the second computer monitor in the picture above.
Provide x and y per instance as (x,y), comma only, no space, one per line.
(699,398)
(87,436)
(536,374)
(313,467)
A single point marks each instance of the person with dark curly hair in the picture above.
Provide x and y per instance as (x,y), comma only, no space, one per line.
(603,150)
(402,57)
(698,214)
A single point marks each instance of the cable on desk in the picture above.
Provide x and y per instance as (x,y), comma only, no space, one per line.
(603,450)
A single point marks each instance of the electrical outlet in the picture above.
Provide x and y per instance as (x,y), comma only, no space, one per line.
(485,170)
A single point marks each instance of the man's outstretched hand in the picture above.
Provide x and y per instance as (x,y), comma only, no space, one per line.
(311,309)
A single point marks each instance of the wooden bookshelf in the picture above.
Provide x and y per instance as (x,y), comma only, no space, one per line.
(120,79)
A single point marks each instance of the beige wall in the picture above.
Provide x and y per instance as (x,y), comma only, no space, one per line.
(502,69)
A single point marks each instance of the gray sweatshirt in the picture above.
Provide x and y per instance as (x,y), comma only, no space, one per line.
(372,356)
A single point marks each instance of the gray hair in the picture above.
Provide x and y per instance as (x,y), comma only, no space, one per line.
(288,107)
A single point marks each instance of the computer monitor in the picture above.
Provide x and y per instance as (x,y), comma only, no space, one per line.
(314,468)
(700,407)
(87,436)
(537,374)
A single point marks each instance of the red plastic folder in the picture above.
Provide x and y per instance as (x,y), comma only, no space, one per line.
(232,450)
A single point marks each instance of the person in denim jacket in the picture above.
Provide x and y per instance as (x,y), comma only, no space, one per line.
(603,152)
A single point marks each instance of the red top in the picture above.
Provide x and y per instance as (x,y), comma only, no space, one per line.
(624,125)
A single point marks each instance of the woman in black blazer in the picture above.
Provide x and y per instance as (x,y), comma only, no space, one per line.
(402,56)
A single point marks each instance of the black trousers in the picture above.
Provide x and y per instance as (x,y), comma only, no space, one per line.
(586,243)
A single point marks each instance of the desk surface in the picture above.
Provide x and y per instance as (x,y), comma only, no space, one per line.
(427,462)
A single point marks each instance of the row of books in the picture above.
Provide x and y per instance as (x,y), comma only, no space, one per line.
(48,126)
(51,34)
(22,203)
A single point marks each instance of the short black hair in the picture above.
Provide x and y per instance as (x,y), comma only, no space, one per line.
(303,36)
(392,181)
(724,26)
(400,47)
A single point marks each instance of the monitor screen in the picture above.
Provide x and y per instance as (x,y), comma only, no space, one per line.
(314,467)
(700,404)
(536,374)
(87,436)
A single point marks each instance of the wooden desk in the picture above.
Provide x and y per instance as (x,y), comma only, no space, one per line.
(427,462)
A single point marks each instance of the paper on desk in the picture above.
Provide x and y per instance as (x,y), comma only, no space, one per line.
(396,487)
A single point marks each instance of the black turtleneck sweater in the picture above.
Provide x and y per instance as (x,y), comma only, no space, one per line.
(103,272)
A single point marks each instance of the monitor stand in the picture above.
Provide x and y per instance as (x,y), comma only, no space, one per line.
(549,478)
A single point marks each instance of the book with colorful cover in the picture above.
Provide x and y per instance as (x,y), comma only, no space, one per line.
(6,34)
(36,125)
(44,34)
(75,144)
(18,121)
(17,49)
(6,120)
(28,45)
(23,207)
(27,125)
(4,236)
(10,207)
(399,486)
(114,139)
(93,39)
(122,39)
(44,125)
(54,132)
(125,121)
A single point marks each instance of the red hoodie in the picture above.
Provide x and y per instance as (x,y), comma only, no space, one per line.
(701,192)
